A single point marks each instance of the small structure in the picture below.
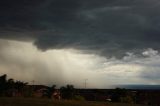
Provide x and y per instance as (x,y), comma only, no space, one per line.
(39,90)
(13,93)
(56,95)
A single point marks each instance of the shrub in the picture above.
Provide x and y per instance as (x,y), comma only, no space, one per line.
(126,99)
(79,98)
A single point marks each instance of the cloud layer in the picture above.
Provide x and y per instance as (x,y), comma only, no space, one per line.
(112,27)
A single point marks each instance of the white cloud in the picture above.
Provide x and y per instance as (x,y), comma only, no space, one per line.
(150,52)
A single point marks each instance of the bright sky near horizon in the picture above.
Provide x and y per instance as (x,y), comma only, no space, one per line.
(23,61)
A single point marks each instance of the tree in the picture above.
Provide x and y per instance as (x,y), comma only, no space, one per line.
(49,91)
(3,84)
(10,83)
(118,93)
(67,92)
(19,85)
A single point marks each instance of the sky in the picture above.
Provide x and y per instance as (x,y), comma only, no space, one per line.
(102,42)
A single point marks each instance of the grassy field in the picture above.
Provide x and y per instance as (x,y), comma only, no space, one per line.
(48,102)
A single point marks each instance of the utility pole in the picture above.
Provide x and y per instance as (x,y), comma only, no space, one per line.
(32,87)
(85,83)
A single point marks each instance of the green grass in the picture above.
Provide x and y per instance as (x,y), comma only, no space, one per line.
(49,102)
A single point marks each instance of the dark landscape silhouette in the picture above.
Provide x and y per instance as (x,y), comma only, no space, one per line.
(11,88)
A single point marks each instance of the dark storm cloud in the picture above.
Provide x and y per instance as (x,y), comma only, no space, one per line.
(107,27)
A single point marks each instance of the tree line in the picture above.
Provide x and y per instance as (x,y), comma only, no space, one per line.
(7,86)
(10,84)
(67,92)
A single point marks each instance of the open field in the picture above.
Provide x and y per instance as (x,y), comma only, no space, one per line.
(48,102)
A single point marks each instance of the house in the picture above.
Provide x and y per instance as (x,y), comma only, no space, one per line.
(39,90)
(14,93)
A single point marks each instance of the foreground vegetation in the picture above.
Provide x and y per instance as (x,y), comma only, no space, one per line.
(49,102)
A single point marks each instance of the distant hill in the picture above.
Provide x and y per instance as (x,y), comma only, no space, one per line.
(149,87)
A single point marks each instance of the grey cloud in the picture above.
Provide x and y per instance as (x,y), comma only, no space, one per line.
(111,27)
(150,64)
